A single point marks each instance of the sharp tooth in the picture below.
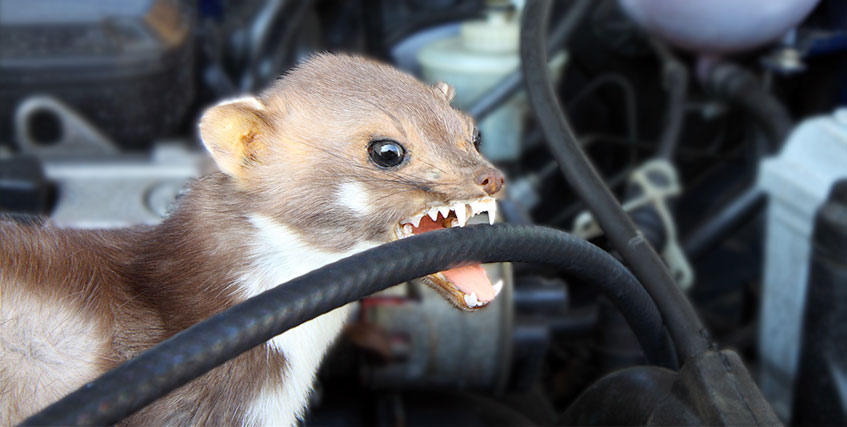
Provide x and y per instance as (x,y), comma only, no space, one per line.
(407,229)
(454,222)
(445,210)
(474,207)
(498,287)
(480,207)
(461,214)
(398,233)
(471,300)
(492,212)
(433,213)
(415,220)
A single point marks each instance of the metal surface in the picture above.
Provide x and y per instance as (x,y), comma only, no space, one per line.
(713,388)
(97,186)
(121,191)
(69,133)
(820,392)
(797,182)
(127,66)
(656,182)
(436,339)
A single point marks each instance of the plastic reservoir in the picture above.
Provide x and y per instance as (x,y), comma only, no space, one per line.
(474,61)
(797,182)
(718,26)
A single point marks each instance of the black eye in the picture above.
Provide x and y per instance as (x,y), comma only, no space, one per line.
(476,138)
(386,153)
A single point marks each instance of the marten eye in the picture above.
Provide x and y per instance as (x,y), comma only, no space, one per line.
(386,153)
(476,138)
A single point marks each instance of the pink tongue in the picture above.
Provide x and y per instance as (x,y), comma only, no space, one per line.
(471,278)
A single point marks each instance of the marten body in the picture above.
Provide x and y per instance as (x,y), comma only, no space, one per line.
(300,187)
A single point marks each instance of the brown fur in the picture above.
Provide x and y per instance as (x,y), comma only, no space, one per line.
(140,287)
(307,168)
(285,158)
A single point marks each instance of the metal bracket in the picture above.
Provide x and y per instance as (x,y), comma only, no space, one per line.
(72,133)
(658,181)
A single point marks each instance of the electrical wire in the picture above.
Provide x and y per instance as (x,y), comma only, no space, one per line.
(627,91)
(675,78)
(689,335)
(740,88)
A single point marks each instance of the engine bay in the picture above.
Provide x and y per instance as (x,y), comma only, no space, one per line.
(719,127)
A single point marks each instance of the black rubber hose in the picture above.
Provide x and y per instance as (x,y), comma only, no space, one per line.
(291,19)
(627,93)
(688,333)
(734,214)
(675,78)
(196,350)
(513,82)
(741,89)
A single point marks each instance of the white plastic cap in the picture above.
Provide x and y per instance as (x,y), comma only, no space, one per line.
(499,33)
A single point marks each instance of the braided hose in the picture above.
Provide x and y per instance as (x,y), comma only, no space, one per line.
(200,348)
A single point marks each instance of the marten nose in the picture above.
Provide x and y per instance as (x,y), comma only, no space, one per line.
(490,179)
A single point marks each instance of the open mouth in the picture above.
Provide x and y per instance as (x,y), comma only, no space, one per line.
(467,287)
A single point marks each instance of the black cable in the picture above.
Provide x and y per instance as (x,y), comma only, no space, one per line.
(741,89)
(627,91)
(290,17)
(730,218)
(287,40)
(198,349)
(624,143)
(688,333)
(513,82)
(675,78)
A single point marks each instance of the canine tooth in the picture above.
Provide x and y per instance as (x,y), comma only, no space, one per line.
(471,300)
(433,213)
(498,287)
(407,229)
(479,206)
(461,214)
(445,210)
(492,212)
(415,220)
(454,222)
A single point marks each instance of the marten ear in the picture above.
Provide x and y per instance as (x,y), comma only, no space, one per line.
(446,89)
(231,131)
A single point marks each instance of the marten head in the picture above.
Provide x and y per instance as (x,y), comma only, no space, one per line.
(343,150)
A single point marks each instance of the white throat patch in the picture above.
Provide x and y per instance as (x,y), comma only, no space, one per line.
(279,255)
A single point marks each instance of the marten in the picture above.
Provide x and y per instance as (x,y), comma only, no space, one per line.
(338,156)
